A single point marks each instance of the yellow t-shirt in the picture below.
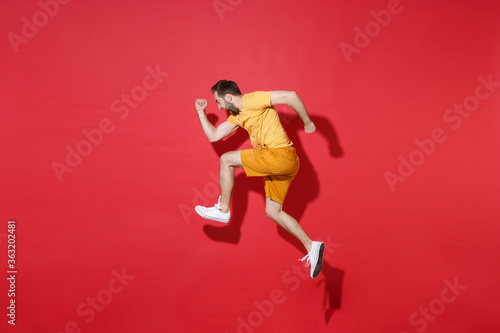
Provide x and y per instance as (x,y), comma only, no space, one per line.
(261,121)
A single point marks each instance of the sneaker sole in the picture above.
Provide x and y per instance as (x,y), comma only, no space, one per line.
(210,217)
(319,264)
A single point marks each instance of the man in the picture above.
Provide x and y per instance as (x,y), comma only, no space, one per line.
(273,156)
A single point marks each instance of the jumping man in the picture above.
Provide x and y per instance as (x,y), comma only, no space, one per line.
(273,156)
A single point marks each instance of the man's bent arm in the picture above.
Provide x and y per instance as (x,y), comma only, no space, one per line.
(293,100)
(213,133)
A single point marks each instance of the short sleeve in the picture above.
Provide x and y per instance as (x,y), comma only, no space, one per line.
(231,120)
(257,100)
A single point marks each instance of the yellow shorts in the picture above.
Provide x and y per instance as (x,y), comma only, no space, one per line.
(278,166)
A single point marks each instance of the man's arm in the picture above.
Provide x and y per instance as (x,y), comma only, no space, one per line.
(293,100)
(213,133)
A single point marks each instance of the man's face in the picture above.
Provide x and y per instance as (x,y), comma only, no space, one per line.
(224,104)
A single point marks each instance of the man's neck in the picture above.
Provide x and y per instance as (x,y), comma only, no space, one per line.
(238,102)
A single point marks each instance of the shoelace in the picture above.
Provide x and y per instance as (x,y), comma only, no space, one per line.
(308,261)
(215,207)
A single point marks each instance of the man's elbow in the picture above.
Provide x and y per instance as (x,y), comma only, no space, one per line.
(213,139)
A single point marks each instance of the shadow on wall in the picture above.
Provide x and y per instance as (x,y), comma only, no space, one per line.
(305,188)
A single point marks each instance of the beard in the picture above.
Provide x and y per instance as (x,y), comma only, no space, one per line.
(230,106)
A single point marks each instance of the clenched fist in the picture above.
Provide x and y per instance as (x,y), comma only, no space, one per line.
(310,127)
(201,105)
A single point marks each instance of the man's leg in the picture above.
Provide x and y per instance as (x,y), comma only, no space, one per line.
(220,211)
(228,162)
(315,250)
(275,212)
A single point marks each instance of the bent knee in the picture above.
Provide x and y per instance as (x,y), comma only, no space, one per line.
(225,158)
(272,213)
(230,159)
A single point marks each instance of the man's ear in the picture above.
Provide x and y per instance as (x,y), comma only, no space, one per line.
(228,97)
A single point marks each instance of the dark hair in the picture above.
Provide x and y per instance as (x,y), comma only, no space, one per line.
(224,87)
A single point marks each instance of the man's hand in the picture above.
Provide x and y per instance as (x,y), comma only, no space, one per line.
(213,133)
(293,100)
(201,105)
(309,127)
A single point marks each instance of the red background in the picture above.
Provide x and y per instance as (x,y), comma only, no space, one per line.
(127,205)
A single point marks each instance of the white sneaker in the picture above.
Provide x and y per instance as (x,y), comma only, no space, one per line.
(213,213)
(315,258)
